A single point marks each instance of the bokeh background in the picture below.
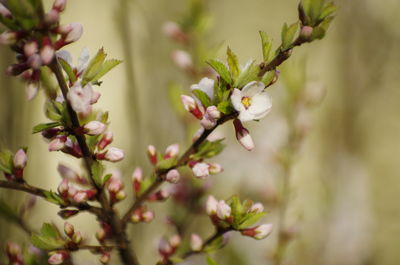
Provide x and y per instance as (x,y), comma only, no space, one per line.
(343,206)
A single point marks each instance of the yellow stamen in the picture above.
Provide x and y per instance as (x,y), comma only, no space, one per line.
(246,101)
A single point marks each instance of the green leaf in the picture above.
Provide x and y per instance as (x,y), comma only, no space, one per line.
(53,198)
(328,10)
(44,126)
(266,45)
(247,75)
(211,261)
(288,33)
(49,230)
(106,178)
(320,31)
(49,238)
(97,173)
(68,70)
(250,219)
(233,63)
(225,107)
(6,161)
(209,149)
(203,97)
(221,69)
(105,68)
(166,164)
(268,77)
(53,111)
(94,67)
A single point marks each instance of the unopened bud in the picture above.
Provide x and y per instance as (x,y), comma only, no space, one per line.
(120,195)
(175,241)
(8,38)
(182,59)
(94,128)
(152,154)
(20,159)
(65,214)
(77,238)
(30,48)
(63,188)
(213,112)
(173,176)
(207,122)
(69,229)
(47,54)
(34,61)
(74,32)
(223,210)
(31,91)
(100,234)
(112,154)
(57,143)
(105,258)
(243,135)
(148,216)
(259,232)
(135,218)
(52,17)
(171,151)
(80,197)
(306,32)
(59,5)
(196,243)
(211,205)
(58,257)
(201,170)
(215,168)
(257,208)
(105,140)
(191,106)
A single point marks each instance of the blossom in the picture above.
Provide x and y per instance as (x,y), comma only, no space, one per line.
(173,176)
(114,154)
(206,85)
(201,170)
(243,135)
(83,60)
(20,159)
(257,208)
(196,243)
(171,151)
(263,231)
(94,128)
(211,205)
(252,102)
(182,59)
(192,106)
(80,98)
(223,210)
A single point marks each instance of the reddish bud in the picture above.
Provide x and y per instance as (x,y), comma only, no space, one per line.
(152,154)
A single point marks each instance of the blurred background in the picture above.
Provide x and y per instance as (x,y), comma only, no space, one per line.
(339,196)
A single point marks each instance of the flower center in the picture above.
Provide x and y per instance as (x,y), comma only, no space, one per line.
(246,101)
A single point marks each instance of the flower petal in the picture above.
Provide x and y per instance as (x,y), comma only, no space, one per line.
(245,116)
(253,88)
(236,99)
(260,105)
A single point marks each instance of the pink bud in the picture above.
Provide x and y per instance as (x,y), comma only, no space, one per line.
(105,140)
(137,178)
(31,91)
(152,154)
(148,216)
(196,243)
(215,168)
(58,258)
(57,143)
(201,170)
(213,112)
(34,61)
(243,135)
(164,248)
(174,31)
(259,232)
(173,176)
(175,241)
(171,151)
(8,38)
(30,48)
(13,249)
(4,11)
(20,159)
(100,234)
(59,5)
(94,128)
(69,229)
(74,32)
(52,17)
(182,59)
(191,106)
(257,208)
(306,31)
(77,238)
(105,258)
(207,122)
(80,197)
(211,206)
(223,210)
(114,154)
(47,54)
(115,184)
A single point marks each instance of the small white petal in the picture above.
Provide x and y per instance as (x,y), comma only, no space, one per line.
(236,99)
(252,89)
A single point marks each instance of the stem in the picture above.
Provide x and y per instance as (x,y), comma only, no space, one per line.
(181,162)
(126,254)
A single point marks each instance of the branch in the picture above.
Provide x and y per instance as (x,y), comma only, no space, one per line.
(181,162)
(23,186)
(127,255)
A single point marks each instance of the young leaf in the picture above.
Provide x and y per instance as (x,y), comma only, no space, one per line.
(6,161)
(94,67)
(250,219)
(106,67)
(44,126)
(45,243)
(233,63)
(166,164)
(221,69)
(68,70)
(268,77)
(328,10)
(203,97)
(209,149)
(53,198)
(225,107)
(97,173)
(248,74)
(266,45)
(288,33)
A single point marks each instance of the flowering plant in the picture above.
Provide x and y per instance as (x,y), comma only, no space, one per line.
(226,92)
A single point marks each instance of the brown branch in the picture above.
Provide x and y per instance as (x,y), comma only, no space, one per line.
(126,254)
(181,162)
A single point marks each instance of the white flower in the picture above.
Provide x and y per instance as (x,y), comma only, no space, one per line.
(263,231)
(182,59)
(20,159)
(257,208)
(206,85)
(114,154)
(173,176)
(80,98)
(196,243)
(83,60)
(211,205)
(252,102)
(94,128)
(201,170)
(223,210)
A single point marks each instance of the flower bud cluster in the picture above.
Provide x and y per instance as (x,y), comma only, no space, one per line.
(75,237)
(168,247)
(35,49)
(115,188)
(16,168)
(71,193)
(171,152)
(142,215)
(58,257)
